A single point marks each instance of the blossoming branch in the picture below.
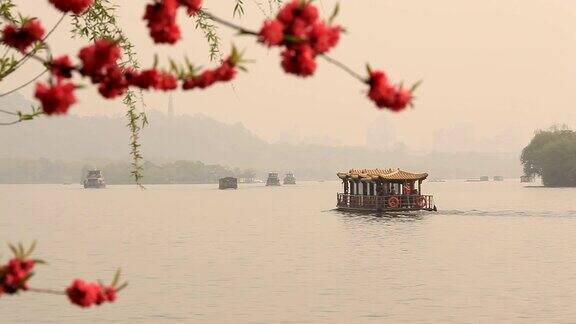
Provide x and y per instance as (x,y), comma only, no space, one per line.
(297,29)
(16,274)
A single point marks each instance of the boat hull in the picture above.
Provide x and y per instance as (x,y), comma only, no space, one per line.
(94,186)
(385,210)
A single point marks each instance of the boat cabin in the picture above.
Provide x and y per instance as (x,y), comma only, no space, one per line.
(290,179)
(383,190)
(273,179)
(94,180)
(228,183)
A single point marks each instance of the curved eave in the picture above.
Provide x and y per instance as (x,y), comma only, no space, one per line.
(395,176)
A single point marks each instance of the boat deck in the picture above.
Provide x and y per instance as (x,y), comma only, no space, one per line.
(383,203)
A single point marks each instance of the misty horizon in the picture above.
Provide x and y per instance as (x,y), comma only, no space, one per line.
(496,67)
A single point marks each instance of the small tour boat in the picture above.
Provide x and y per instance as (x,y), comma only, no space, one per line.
(498,178)
(481,179)
(386,190)
(289,179)
(94,180)
(228,183)
(526,179)
(273,179)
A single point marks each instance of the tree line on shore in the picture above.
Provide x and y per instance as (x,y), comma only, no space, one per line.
(54,171)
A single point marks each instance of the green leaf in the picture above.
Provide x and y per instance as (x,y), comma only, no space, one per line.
(31,248)
(368,68)
(122,286)
(335,13)
(13,249)
(20,250)
(116,278)
(416,86)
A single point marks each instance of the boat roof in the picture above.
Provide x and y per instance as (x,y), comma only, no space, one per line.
(381,174)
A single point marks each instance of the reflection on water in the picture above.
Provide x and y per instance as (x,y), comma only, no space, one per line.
(380,217)
(495,252)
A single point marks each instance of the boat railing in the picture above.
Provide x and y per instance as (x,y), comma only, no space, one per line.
(405,202)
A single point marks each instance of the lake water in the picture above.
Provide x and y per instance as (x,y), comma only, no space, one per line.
(496,252)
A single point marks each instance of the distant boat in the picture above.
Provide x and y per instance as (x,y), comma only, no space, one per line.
(481,179)
(526,179)
(273,179)
(436,180)
(498,178)
(228,183)
(94,180)
(247,180)
(289,179)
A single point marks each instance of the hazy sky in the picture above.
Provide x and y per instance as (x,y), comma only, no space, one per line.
(496,65)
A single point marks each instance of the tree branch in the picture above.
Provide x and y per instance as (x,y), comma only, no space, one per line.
(24,85)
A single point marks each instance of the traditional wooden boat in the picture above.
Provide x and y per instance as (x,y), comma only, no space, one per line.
(498,178)
(526,179)
(386,190)
(481,179)
(273,179)
(289,179)
(228,183)
(94,180)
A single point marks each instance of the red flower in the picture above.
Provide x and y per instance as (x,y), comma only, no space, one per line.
(323,37)
(161,17)
(100,295)
(193,5)
(289,12)
(272,32)
(226,71)
(62,67)
(114,84)
(169,34)
(57,98)
(75,6)
(15,274)
(402,98)
(299,29)
(385,95)
(309,13)
(82,293)
(189,84)
(22,37)
(299,59)
(98,58)
(167,82)
(110,293)
(297,26)
(206,79)
(146,79)
(85,294)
